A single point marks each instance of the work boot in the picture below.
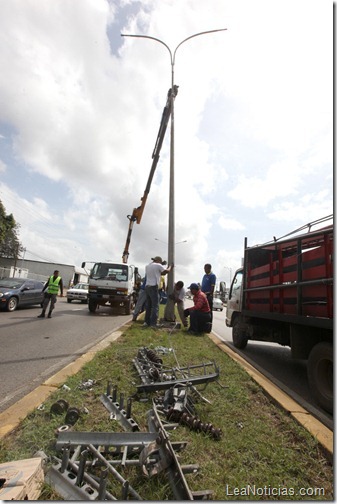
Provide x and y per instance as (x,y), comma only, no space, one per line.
(42,315)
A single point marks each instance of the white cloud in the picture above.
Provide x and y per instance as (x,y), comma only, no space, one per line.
(307,209)
(280,180)
(230,223)
(79,120)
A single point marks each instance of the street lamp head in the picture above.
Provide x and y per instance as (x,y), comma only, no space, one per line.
(177,243)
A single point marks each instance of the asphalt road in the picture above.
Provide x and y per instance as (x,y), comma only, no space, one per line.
(34,349)
(276,363)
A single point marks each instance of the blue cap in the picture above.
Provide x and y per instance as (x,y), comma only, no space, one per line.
(194,286)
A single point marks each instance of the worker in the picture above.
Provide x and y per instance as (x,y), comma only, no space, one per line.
(141,301)
(199,313)
(53,284)
(177,297)
(153,273)
(208,285)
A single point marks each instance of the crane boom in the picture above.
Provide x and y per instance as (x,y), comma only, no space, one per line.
(138,212)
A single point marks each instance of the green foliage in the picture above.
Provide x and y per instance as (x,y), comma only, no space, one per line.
(260,445)
(10,246)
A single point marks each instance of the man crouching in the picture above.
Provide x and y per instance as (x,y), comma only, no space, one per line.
(200,313)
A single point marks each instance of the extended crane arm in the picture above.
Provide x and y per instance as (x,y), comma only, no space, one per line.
(138,212)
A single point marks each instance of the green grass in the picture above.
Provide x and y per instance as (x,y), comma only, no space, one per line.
(260,445)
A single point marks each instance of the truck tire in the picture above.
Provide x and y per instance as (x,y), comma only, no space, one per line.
(320,374)
(92,306)
(240,338)
(128,307)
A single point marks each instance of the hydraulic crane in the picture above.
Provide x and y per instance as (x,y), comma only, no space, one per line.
(138,212)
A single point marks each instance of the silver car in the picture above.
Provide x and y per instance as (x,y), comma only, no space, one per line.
(79,292)
(217,304)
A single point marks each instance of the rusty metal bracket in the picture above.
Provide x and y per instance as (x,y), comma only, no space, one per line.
(178,406)
(155,376)
(167,461)
(117,408)
(151,451)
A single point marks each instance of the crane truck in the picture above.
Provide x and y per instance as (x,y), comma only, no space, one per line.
(138,212)
(113,285)
(284,294)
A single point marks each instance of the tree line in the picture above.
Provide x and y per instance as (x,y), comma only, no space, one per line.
(10,246)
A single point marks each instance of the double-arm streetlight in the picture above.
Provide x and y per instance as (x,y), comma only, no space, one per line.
(171,223)
(177,243)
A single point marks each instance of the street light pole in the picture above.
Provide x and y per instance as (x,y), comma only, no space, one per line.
(171,222)
(230,274)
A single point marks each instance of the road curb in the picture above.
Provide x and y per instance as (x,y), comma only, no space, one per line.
(323,435)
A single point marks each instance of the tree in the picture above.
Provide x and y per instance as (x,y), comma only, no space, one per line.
(10,247)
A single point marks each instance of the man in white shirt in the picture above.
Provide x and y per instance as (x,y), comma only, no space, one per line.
(153,272)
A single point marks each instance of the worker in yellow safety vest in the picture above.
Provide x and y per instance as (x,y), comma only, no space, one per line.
(52,286)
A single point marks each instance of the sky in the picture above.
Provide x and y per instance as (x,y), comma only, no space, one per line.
(80,108)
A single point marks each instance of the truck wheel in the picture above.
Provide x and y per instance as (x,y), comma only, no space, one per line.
(240,339)
(92,306)
(320,374)
(128,307)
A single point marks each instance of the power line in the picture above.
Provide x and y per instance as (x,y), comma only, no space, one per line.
(39,257)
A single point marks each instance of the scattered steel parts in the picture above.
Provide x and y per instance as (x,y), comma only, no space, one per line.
(152,452)
(163,350)
(75,475)
(177,405)
(126,446)
(72,415)
(74,483)
(155,377)
(177,400)
(117,408)
(62,428)
(135,441)
(194,423)
(168,461)
(87,385)
(59,407)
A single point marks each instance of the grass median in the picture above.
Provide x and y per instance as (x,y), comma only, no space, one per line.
(263,454)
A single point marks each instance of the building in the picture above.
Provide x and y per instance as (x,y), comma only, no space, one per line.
(40,270)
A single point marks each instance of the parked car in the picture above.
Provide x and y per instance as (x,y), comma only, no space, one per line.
(15,292)
(217,304)
(79,292)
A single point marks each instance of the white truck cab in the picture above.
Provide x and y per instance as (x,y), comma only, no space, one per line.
(112,284)
(234,302)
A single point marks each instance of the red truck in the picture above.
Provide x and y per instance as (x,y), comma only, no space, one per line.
(284,294)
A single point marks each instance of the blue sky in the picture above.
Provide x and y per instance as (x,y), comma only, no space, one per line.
(80,108)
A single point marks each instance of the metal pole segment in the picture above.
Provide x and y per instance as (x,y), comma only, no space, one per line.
(169,313)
